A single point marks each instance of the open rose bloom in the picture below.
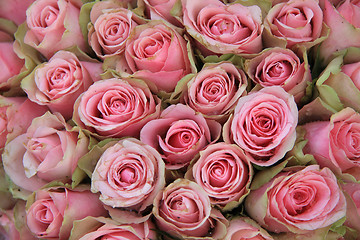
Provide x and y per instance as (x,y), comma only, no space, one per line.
(180,119)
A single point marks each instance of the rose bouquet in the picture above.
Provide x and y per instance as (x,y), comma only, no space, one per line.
(186,119)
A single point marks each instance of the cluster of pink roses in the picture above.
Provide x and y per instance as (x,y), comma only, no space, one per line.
(180,119)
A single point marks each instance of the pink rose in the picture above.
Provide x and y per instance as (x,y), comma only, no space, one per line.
(160,9)
(48,151)
(54,25)
(222,28)
(129,175)
(16,114)
(263,125)
(179,134)
(353,71)
(350,10)
(59,82)
(183,210)
(116,108)
(297,201)
(108,229)
(15,10)
(215,90)
(110,27)
(224,172)
(10,64)
(295,22)
(352,193)
(156,53)
(333,143)
(52,211)
(280,67)
(245,228)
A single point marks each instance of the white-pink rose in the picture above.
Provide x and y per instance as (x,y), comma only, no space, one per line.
(156,53)
(224,172)
(263,125)
(110,27)
(54,25)
(245,229)
(59,82)
(183,210)
(295,22)
(297,201)
(52,211)
(160,9)
(222,28)
(116,108)
(179,134)
(129,175)
(280,67)
(48,151)
(215,90)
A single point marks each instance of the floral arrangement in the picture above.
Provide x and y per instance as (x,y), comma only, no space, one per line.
(180,119)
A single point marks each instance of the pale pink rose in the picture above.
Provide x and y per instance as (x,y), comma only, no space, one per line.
(108,229)
(183,210)
(110,27)
(161,9)
(54,25)
(280,67)
(15,10)
(295,21)
(59,82)
(334,143)
(48,151)
(245,228)
(224,172)
(350,10)
(215,90)
(352,193)
(353,71)
(179,134)
(129,175)
(222,28)
(10,64)
(156,53)
(263,125)
(16,115)
(116,108)
(297,201)
(52,211)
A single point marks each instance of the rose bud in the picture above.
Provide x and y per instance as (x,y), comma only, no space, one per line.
(215,90)
(293,22)
(129,175)
(48,151)
(222,28)
(16,115)
(280,67)
(110,27)
(245,228)
(156,53)
(106,228)
(224,172)
(263,125)
(59,82)
(54,25)
(297,201)
(183,210)
(116,108)
(51,212)
(179,134)
(334,143)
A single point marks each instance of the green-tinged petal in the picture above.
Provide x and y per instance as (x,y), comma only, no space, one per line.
(84,226)
(264,5)
(316,110)
(84,17)
(266,175)
(8,26)
(319,234)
